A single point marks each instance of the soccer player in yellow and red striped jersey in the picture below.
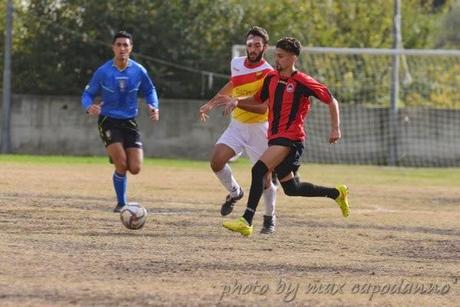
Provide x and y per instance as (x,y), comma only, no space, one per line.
(247,130)
(286,93)
(247,78)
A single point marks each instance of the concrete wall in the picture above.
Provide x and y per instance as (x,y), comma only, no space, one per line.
(59,126)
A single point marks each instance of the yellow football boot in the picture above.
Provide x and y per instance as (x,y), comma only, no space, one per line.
(239,225)
(342,199)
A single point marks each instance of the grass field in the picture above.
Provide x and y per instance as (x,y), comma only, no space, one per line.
(61,245)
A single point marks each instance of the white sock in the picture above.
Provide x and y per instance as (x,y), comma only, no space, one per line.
(270,199)
(228,181)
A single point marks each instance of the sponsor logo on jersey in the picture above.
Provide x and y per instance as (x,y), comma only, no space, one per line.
(122,84)
(260,74)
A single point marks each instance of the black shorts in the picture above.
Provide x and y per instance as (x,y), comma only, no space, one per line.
(125,131)
(292,162)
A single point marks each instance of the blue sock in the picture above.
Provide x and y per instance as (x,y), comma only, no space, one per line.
(120,183)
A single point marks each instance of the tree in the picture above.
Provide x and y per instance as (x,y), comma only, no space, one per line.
(59,43)
(450,36)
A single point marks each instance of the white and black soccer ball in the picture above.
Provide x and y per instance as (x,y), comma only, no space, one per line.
(133,216)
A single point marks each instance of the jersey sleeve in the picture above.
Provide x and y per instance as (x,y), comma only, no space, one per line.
(148,89)
(92,90)
(316,89)
(263,93)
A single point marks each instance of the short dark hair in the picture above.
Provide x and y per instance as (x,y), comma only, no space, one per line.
(258,31)
(290,45)
(123,34)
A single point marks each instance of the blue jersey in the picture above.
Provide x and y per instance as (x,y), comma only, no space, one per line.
(118,89)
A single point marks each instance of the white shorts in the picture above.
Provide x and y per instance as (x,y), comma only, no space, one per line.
(251,138)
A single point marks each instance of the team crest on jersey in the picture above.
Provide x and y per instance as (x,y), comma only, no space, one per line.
(122,84)
(290,87)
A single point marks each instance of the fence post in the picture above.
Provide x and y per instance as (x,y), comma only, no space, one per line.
(6,113)
(394,95)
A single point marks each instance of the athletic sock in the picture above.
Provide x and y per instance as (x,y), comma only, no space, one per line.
(255,193)
(249,215)
(294,187)
(270,199)
(225,176)
(120,183)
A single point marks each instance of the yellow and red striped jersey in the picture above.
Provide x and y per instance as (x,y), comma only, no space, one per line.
(246,80)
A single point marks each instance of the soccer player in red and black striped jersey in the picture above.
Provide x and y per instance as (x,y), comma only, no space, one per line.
(286,93)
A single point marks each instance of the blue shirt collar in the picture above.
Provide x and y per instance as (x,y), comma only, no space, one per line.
(130,62)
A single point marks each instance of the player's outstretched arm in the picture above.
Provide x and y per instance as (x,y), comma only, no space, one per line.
(248,104)
(226,90)
(334,113)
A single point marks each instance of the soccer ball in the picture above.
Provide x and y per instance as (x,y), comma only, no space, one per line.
(133,216)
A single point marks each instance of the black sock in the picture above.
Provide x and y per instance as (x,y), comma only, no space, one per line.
(257,187)
(294,187)
(249,215)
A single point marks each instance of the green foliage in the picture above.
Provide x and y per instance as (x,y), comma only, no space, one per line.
(59,43)
(450,36)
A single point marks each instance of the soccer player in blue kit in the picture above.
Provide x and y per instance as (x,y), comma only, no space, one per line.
(118,82)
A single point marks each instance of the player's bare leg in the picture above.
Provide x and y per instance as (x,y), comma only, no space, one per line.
(118,157)
(273,156)
(135,158)
(219,165)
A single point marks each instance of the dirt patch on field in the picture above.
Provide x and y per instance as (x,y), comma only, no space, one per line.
(60,244)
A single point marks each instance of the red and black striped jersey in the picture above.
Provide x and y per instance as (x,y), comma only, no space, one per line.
(289,103)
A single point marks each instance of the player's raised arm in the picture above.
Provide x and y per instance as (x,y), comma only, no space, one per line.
(321,92)
(334,112)
(226,90)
